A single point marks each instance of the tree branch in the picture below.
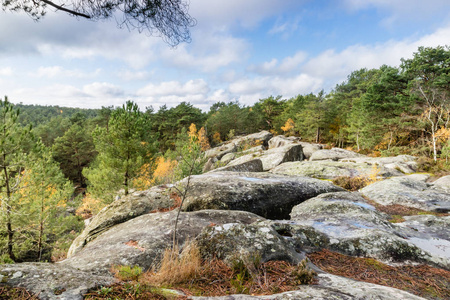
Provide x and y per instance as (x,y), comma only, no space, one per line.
(58,7)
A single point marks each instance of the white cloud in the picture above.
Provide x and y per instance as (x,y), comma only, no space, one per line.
(175,89)
(250,90)
(103,89)
(59,72)
(287,65)
(333,67)
(7,71)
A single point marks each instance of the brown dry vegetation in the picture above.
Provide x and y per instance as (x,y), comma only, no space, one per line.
(7,293)
(422,280)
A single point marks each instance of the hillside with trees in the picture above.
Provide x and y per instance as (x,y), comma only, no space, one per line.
(60,165)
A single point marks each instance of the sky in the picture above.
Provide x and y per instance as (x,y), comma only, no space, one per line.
(240,51)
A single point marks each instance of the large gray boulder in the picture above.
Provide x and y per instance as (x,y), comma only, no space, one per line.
(268,195)
(330,287)
(52,281)
(346,223)
(411,190)
(246,241)
(142,240)
(333,154)
(121,210)
(272,157)
(327,169)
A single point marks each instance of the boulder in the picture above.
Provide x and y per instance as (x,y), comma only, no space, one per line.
(346,223)
(327,169)
(309,149)
(142,240)
(245,242)
(227,158)
(124,209)
(254,165)
(333,154)
(411,191)
(268,195)
(272,157)
(330,287)
(52,281)
(442,184)
(219,152)
(261,137)
(281,141)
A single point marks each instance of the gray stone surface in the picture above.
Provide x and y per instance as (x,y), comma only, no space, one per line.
(346,223)
(254,165)
(142,240)
(442,184)
(52,281)
(327,169)
(309,149)
(405,164)
(121,210)
(281,141)
(268,195)
(272,157)
(411,190)
(333,154)
(246,241)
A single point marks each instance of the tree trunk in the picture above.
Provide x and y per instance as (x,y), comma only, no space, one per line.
(9,229)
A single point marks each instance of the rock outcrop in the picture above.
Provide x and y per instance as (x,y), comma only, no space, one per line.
(142,240)
(346,223)
(267,195)
(121,210)
(333,154)
(411,190)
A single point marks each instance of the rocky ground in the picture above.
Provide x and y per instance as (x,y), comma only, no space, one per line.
(275,200)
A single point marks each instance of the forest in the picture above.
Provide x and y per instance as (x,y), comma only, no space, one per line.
(61,165)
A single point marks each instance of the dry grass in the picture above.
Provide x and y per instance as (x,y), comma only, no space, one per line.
(7,293)
(176,268)
(422,280)
(188,272)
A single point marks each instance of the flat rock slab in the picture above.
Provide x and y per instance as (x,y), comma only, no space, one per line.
(345,223)
(52,281)
(442,184)
(268,195)
(142,240)
(333,154)
(121,210)
(330,287)
(411,191)
(405,164)
(327,169)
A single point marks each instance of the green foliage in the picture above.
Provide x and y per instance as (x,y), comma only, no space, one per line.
(123,148)
(127,273)
(74,151)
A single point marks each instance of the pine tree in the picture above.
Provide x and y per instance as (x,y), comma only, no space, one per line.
(123,148)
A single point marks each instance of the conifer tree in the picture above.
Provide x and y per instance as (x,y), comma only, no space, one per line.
(123,148)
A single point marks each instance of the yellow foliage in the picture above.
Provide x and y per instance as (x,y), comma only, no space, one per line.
(203,139)
(163,173)
(192,131)
(164,170)
(216,138)
(288,126)
(89,207)
(443,134)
